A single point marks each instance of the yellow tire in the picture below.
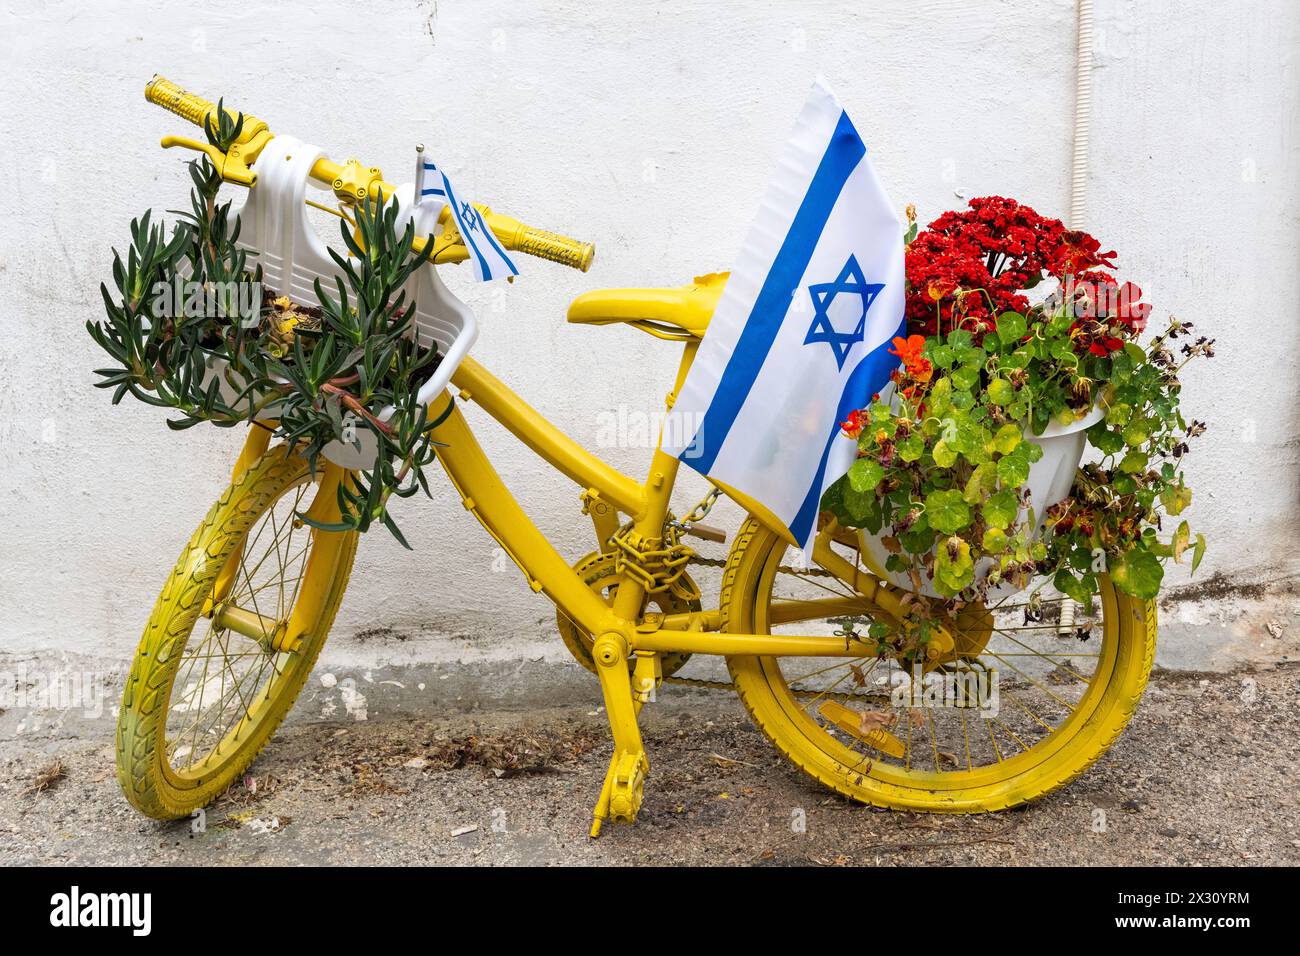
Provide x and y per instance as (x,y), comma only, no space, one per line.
(202,700)
(877,737)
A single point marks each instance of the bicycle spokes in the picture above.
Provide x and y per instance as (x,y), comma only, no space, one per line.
(1019,672)
(230,664)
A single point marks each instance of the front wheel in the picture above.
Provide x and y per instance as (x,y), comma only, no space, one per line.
(218,666)
(1031,699)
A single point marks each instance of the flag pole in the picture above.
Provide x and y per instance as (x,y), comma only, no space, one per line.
(419,174)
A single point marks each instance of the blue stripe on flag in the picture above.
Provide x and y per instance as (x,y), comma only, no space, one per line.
(484,268)
(867,377)
(491,237)
(484,272)
(843,153)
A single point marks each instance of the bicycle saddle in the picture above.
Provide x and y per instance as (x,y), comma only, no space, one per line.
(677,314)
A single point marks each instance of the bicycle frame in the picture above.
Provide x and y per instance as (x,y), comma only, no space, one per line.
(485,495)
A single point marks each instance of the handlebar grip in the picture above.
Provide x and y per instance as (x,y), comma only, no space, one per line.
(557,248)
(171,97)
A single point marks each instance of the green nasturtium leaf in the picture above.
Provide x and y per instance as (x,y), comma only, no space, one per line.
(1006,438)
(1000,510)
(1137,572)
(1176,498)
(1071,586)
(965,377)
(982,482)
(865,474)
(944,454)
(995,540)
(1134,462)
(1001,392)
(1020,358)
(1011,327)
(862,508)
(1104,440)
(942,355)
(1198,552)
(1123,484)
(946,511)
(919,539)
(963,401)
(911,448)
(966,437)
(1013,469)
(1182,538)
(954,568)
(1137,432)
(940,396)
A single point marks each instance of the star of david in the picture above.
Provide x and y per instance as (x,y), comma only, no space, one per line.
(470,215)
(851,282)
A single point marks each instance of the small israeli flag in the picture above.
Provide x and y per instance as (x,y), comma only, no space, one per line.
(485,252)
(800,336)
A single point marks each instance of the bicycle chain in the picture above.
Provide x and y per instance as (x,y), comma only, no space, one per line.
(786,568)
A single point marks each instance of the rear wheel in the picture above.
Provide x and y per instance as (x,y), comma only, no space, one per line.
(216,669)
(1022,707)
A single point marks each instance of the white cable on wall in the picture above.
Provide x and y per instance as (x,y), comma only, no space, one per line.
(1082,116)
(1079,184)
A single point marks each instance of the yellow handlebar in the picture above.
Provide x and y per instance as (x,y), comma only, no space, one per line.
(184,104)
(557,248)
(352,181)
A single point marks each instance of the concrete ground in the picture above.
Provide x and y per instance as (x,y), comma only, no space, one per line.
(1205,774)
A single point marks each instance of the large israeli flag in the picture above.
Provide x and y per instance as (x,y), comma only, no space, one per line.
(801,334)
(486,255)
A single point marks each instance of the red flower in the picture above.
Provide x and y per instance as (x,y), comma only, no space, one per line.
(1132,312)
(1105,346)
(1077,252)
(969,267)
(853,424)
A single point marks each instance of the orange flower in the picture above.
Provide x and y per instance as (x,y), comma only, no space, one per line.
(938,288)
(853,424)
(909,350)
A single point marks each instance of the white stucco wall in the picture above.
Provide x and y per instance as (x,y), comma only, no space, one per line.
(649,129)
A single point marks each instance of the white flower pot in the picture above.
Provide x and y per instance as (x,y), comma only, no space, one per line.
(1050,480)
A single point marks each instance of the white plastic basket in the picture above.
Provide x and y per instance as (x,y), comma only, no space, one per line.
(274,227)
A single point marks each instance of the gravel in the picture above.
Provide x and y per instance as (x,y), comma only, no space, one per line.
(1203,775)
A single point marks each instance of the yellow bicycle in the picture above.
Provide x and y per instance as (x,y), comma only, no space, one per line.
(244,614)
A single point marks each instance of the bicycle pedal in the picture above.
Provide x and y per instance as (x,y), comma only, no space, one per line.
(707,532)
(627,787)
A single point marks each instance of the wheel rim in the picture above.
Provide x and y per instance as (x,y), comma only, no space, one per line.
(1048,688)
(225,683)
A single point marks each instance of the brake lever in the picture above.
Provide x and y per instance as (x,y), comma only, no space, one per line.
(233,164)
